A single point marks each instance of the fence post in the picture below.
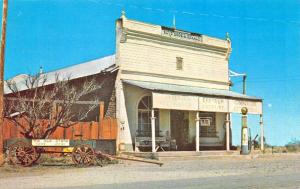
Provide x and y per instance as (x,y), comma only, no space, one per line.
(110,128)
(101,115)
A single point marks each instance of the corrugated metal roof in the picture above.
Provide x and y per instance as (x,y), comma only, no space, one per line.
(73,72)
(189,89)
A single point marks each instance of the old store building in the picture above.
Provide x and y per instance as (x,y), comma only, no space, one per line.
(173,89)
(169,89)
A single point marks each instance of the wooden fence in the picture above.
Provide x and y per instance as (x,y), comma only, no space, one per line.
(106,128)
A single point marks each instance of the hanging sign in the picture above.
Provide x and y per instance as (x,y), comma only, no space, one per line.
(50,142)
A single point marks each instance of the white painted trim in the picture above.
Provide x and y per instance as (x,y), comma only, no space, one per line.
(124,134)
(130,72)
(153,130)
(227,132)
(197,132)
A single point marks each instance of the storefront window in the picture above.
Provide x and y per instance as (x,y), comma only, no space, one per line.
(144,117)
(208,124)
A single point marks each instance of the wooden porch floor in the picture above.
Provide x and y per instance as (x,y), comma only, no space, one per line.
(183,154)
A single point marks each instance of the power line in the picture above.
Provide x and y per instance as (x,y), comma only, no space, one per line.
(254,80)
(257,19)
(271,79)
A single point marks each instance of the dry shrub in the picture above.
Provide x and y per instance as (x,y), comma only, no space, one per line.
(293,146)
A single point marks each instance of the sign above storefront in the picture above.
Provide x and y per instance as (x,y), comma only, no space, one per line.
(252,106)
(175,101)
(203,103)
(212,104)
(182,35)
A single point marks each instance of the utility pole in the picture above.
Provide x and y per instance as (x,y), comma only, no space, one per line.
(244,83)
(234,74)
(2,52)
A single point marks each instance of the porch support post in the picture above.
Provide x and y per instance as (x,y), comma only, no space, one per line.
(227,121)
(197,132)
(261,123)
(153,130)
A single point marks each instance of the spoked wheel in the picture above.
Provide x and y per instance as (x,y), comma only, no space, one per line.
(38,154)
(22,153)
(83,154)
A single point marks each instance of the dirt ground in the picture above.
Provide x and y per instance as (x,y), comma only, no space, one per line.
(258,171)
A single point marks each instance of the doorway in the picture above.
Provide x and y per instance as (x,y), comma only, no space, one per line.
(180,128)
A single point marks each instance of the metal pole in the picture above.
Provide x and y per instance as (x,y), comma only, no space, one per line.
(2,51)
(197,132)
(227,132)
(244,84)
(230,130)
(261,132)
(153,130)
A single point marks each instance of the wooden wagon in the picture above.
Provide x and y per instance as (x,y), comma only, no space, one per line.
(25,152)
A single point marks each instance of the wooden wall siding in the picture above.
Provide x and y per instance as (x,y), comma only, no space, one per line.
(161,62)
(105,129)
(146,55)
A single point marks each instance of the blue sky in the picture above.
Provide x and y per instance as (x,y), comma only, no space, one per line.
(265,38)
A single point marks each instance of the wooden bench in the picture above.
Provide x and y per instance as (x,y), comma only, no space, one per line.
(161,143)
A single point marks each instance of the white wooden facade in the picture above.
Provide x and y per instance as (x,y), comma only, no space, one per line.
(150,53)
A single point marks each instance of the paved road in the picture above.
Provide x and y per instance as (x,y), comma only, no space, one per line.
(262,172)
(278,181)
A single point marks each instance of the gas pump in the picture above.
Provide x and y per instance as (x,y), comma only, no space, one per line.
(244,133)
(249,141)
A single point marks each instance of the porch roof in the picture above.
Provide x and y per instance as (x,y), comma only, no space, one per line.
(154,86)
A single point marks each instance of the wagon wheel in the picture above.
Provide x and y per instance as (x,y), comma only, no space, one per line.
(83,154)
(22,153)
(12,151)
(38,154)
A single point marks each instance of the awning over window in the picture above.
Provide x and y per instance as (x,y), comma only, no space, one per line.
(181,97)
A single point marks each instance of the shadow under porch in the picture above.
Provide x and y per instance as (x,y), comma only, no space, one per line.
(175,130)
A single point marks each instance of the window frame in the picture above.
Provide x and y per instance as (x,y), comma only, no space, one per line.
(179,63)
(211,130)
(144,125)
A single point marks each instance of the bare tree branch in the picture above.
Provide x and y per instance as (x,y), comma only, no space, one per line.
(38,102)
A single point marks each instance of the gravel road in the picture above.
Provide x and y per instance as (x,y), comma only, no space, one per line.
(280,171)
